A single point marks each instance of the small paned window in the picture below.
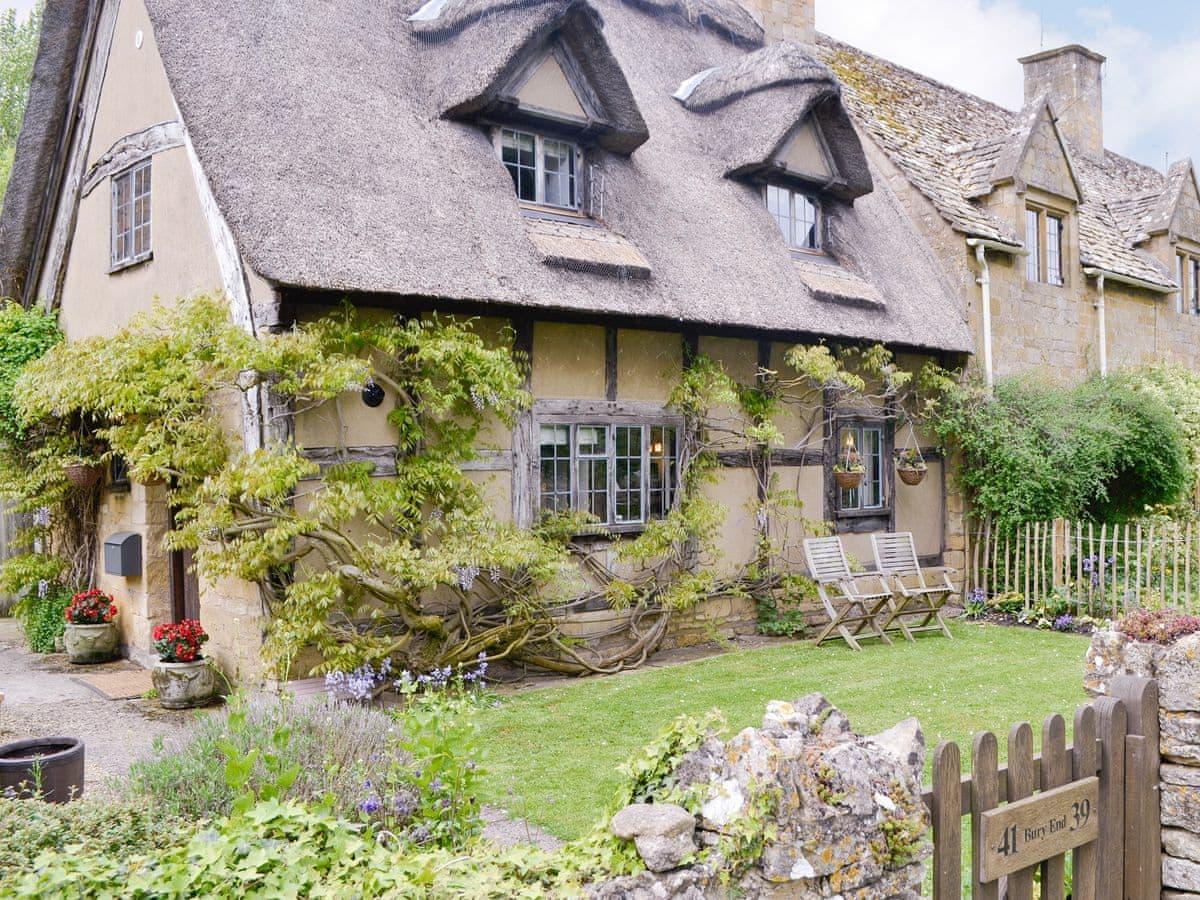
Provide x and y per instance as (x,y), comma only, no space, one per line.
(797,215)
(1054,232)
(864,444)
(543,169)
(1181,295)
(576,461)
(1044,234)
(1187,276)
(131,215)
(1195,282)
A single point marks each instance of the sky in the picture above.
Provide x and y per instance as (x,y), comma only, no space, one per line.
(1151,91)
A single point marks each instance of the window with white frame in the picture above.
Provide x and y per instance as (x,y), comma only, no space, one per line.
(544,170)
(622,474)
(864,444)
(798,216)
(131,215)
(1044,232)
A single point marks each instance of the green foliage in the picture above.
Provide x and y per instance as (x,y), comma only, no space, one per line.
(43,618)
(25,335)
(334,748)
(779,612)
(102,825)
(1034,451)
(18,49)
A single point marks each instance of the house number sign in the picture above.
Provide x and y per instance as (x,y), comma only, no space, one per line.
(1026,832)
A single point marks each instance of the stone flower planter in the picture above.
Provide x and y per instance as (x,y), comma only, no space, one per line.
(182,685)
(88,644)
(53,766)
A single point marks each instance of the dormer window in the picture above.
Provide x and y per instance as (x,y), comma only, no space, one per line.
(543,169)
(798,216)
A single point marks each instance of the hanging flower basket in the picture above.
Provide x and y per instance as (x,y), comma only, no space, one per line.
(83,474)
(910,464)
(848,480)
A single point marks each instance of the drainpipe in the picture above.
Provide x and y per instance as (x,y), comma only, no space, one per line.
(1100,324)
(1102,277)
(984,280)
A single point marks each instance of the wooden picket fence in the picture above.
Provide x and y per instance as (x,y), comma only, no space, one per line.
(1102,568)
(1096,800)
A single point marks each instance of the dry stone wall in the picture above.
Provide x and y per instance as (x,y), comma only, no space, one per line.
(1177,668)
(800,808)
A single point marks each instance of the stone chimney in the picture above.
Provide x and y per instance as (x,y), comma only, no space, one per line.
(785,20)
(1071,77)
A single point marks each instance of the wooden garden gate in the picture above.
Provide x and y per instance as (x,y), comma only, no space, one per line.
(1097,800)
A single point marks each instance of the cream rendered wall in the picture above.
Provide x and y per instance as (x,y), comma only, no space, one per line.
(135,96)
(649,364)
(568,361)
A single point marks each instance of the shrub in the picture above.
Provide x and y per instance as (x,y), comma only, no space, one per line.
(96,825)
(43,618)
(337,747)
(1106,449)
(1162,626)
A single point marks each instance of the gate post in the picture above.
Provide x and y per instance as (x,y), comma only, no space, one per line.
(1143,829)
(1110,846)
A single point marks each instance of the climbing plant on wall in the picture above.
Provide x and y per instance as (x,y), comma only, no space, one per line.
(414,567)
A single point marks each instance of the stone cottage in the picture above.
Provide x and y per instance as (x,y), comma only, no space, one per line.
(624,183)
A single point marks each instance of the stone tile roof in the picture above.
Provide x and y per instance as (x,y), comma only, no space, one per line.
(953,146)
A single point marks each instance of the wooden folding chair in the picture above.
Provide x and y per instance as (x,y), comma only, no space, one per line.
(915,596)
(850,610)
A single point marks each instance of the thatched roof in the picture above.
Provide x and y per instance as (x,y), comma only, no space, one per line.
(322,130)
(63,29)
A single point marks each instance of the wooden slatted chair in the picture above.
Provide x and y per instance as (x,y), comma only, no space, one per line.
(850,611)
(916,597)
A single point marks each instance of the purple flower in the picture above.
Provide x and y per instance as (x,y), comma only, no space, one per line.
(370,806)
(436,784)
(405,805)
(1065,623)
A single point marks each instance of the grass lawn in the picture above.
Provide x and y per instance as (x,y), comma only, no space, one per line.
(551,754)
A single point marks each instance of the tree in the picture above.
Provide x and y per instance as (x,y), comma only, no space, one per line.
(18,49)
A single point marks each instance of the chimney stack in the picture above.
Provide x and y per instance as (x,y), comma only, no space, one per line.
(785,20)
(1071,77)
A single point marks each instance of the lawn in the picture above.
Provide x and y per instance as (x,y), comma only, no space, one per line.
(551,754)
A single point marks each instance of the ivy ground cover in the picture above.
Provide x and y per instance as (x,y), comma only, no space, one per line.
(551,754)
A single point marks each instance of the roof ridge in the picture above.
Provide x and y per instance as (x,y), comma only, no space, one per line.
(929,79)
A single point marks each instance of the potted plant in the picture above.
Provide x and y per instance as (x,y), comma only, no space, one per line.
(91,635)
(83,473)
(182,676)
(910,466)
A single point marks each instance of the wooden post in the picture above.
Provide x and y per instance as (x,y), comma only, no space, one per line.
(1143,831)
(1056,771)
(1021,782)
(1056,548)
(1137,578)
(1175,563)
(1028,584)
(1101,563)
(985,795)
(987,547)
(1085,761)
(1007,558)
(947,822)
(1110,846)
(1078,563)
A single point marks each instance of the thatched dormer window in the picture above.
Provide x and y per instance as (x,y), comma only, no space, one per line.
(798,215)
(544,170)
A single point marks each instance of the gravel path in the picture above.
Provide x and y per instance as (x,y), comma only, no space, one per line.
(41,699)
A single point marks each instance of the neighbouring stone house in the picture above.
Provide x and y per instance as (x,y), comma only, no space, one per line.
(622,182)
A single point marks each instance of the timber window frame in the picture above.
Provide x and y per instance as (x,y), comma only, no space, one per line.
(131,216)
(799,217)
(1187,273)
(626,473)
(527,155)
(1046,241)
(873,439)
